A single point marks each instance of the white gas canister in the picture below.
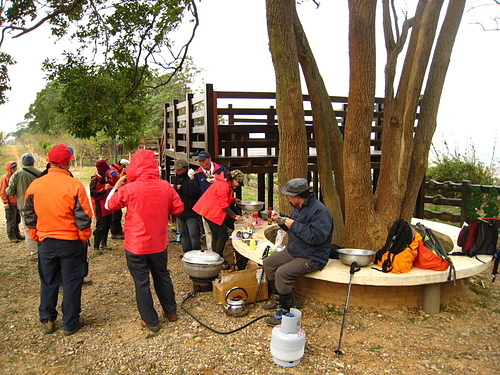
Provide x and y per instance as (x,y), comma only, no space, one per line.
(288,340)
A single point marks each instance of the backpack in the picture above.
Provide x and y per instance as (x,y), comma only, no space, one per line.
(400,249)
(480,237)
(431,253)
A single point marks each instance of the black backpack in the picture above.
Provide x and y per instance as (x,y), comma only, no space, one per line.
(480,238)
(399,238)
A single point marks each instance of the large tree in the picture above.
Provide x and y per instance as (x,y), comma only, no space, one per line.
(119,47)
(364,213)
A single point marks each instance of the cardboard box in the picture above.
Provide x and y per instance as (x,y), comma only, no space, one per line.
(246,279)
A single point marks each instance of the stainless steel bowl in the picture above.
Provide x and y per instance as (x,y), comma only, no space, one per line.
(251,206)
(362,257)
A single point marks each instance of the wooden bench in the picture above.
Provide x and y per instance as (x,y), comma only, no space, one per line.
(417,288)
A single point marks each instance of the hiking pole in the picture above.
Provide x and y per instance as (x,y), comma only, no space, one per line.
(351,271)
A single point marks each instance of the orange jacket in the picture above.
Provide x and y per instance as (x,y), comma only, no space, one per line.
(57,206)
(4,184)
(213,204)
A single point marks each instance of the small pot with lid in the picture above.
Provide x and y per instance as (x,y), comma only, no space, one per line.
(202,264)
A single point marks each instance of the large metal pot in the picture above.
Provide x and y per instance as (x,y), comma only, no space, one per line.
(360,256)
(251,206)
(202,264)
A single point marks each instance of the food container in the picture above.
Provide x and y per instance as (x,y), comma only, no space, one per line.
(251,206)
(362,257)
(202,264)
(263,214)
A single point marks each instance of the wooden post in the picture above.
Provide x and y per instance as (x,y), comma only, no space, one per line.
(261,187)
(175,124)
(464,207)
(189,123)
(211,123)
(270,190)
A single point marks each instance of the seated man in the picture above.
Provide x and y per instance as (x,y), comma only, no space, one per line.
(310,232)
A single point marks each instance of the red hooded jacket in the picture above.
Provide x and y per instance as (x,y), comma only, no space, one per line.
(213,203)
(149,202)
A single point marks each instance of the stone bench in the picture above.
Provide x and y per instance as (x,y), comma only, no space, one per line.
(371,288)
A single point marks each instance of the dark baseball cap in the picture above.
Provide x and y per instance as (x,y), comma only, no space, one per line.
(203,155)
(295,187)
(180,163)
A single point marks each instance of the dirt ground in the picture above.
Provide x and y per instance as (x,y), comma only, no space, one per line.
(463,338)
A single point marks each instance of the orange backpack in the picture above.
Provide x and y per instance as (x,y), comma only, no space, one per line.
(400,249)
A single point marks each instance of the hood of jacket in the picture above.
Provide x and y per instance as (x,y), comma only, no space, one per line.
(143,166)
(7,167)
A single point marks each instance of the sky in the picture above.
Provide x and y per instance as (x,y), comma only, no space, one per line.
(231,46)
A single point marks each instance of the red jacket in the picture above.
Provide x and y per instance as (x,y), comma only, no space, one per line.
(4,184)
(98,193)
(216,200)
(149,202)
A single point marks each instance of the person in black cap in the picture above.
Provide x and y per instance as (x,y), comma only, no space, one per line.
(201,180)
(310,233)
(187,222)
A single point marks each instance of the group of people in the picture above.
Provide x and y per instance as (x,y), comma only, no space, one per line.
(58,216)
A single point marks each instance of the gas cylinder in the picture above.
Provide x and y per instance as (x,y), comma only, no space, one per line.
(288,340)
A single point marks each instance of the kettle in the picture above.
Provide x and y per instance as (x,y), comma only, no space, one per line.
(236,302)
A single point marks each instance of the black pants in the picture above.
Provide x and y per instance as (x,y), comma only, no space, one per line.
(67,261)
(13,219)
(101,230)
(140,266)
(116,223)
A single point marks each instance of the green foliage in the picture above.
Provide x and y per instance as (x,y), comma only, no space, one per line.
(5,61)
(457,168)
(483,205)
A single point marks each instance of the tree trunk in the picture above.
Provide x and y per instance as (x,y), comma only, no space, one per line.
(327,136)
(359,213)
(430,103)
(399,123)
(293,152)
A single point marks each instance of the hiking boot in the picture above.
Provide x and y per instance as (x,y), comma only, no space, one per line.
(273,321)
(21,238)
(48,327)
(273,303)
(97,251)
(151,328)
(86,281)
(14,240)
(105,247)
(69,332)
(117,236)
(171,318)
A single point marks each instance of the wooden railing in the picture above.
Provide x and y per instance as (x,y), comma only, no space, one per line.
(463,200)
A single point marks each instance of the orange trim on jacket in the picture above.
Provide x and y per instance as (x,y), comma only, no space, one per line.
(57,206)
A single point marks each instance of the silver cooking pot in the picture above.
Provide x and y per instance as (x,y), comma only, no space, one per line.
(251,206)
(360,256)
(202,264)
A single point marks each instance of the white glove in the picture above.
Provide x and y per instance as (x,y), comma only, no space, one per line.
(191,173)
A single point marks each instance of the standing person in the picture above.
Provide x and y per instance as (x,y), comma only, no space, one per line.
(18,184)
(310,233)
(214,206)
(201,180)
(99,190)
(117,170)
(58,216)
(10,204)
(187,221)
(149,201)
